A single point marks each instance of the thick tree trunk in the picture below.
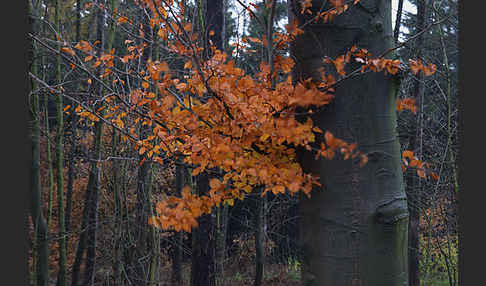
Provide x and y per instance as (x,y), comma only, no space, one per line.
(354,227)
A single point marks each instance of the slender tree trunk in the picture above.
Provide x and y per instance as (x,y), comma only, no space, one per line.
(398,22)
(117,210)
(177,238)
(221,231)
(203,268)
(60,161)
(413,183)
(80,250)
(260,207)
(203,248)
(50,172)
(354,228)
(40,249)
(143,239)
(259,239)
(72,150)
(155,272)
(92,214)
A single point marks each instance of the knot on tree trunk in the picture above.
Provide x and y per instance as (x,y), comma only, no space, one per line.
(392,211)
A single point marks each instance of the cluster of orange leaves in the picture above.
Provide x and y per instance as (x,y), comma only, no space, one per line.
(218,117)
(338,7)
(423,168)
(382,64)
(417,66)
(406,104)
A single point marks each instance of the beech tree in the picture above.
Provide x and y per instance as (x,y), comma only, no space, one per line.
(354,227)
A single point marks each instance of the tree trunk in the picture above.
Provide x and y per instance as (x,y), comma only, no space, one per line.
(60,161)
(117,211)
(177,238)
(143,207)
(40,249)
(72,150)
(203,248)
(353,228)
(203,268)
(259,239)
(398,22)
(78,259)
(92,216)
(413,183)
(221,230)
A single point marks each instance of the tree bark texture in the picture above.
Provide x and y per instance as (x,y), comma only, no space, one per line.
(72,150)
(259,240)
(177,238)
(143,209)
(41,245)
(221,235)
(60,161)
(90,269)
(413,183)
(354,227)
(398,22)
(203,267)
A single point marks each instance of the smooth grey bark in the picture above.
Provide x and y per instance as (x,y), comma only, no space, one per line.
(354,228)
(40,249)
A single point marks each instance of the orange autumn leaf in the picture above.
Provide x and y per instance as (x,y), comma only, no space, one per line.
(408,154)
(434,176)
(415,66)
(122,20)
(421,173)
(254,40)
(429,69)
(68,51)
